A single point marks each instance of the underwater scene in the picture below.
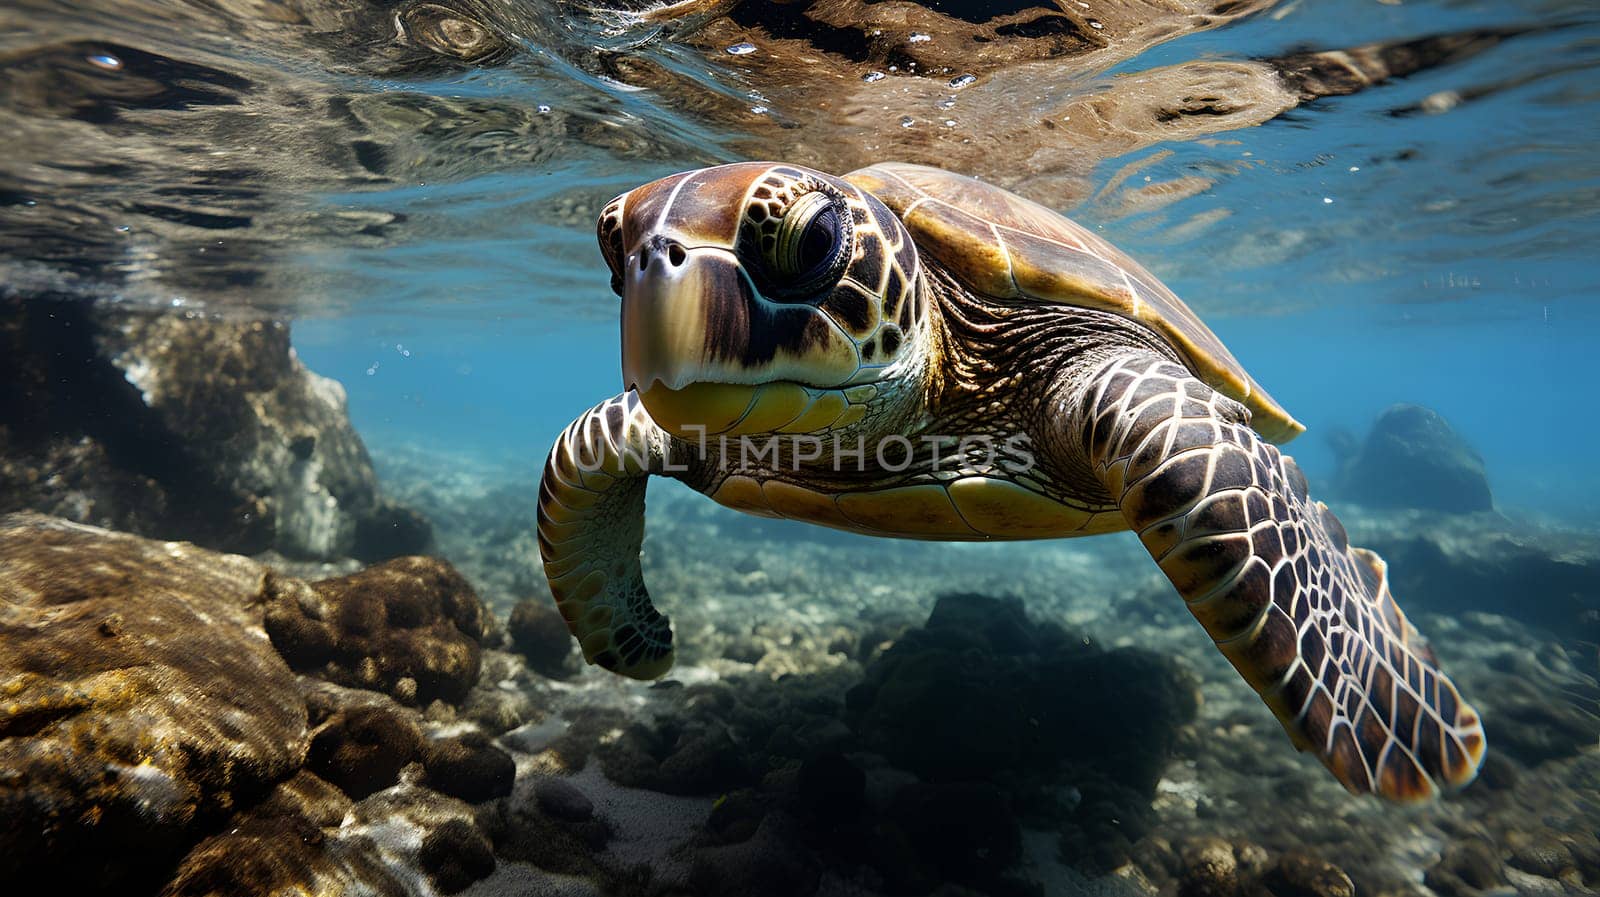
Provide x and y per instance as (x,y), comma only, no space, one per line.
(884,448)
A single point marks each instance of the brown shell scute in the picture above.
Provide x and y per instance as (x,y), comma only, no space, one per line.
(1000,244)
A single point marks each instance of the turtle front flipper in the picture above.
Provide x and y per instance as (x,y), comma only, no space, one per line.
(591,526)
(1305,618)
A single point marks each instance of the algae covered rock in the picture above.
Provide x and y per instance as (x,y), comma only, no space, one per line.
(540,634)
(414,828)
(981,693)
(282,846)
(410,627)
(363,749)
(140,700)
(468,767)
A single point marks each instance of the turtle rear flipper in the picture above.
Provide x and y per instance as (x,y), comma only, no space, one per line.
(1306,619)
(591,525)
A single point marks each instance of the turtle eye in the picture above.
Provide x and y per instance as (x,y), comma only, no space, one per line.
(810,246)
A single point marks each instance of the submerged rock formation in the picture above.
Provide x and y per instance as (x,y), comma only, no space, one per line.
(186,427)
(410,627)
(140,700)
(984,694)
(151,731)
(1412,458)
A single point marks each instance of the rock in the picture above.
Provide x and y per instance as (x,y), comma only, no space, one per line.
(745,649)
(409,627)
(1209,869)
(391,530)
(930,704)
(1413,459)
(560,799)
(704,763)
(455,855)
(1000,623)
(1533,725)
(774,861)
(1299,875)
(1542,853)
(966,830)
(284,846)
(185,427)
(831,788)
(415,828)
(541,636)
(140,700)
(362,750)
(736,816)
(1465,869)
(556,829)
(1453,563)
(469,767)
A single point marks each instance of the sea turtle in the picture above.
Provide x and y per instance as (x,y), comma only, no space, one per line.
(908,352)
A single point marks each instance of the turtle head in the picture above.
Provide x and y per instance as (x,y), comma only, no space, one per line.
(757,297)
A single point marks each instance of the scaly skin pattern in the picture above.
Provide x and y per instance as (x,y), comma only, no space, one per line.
(1304,617)
(591,526)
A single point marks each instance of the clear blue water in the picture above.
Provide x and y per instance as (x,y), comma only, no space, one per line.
(1354,253)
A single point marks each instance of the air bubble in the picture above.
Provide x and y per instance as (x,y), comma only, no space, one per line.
(1095,25)
(918,37)
(760,110)
(907,121)
(961,81)
(870,77)
(544,109)
(743,48)
(947,103)
(105,61)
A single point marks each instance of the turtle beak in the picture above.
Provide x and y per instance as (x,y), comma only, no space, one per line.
(678,306)
(674,302)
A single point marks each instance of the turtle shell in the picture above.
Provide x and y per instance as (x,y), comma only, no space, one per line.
(999,244)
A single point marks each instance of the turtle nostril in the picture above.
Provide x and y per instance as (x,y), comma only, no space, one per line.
(676,255)
(644,257)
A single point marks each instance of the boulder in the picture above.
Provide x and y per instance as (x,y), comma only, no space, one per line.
(1413,459)
(774,861)
(410,627)
(540,634)
(363,749)
(140,701)
(288,844)
(930,703)
(413,828)
(180,426)
(468,767)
